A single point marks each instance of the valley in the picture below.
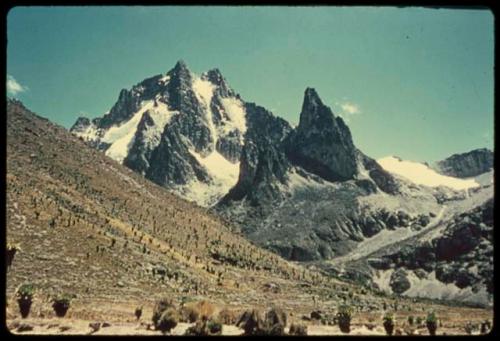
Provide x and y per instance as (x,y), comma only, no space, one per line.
(149,208)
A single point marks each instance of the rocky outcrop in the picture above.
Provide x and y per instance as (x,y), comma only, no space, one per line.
(322,143)
(468,164)
(263,164)
(462,254)
(399,281)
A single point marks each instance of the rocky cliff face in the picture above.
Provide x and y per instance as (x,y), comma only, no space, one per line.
(263,164)
(322,143)
(468,164)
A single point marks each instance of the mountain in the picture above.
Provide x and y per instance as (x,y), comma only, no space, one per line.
(182,131)
(306,193)
(466,165)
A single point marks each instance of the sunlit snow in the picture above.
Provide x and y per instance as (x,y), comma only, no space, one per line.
(423,175)
(234,109)
(204,91)
(161,116)
(121,137)
(224,176)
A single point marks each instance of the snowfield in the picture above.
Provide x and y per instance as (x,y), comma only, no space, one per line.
(421,174)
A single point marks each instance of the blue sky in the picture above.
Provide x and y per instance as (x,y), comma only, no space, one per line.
(413,82)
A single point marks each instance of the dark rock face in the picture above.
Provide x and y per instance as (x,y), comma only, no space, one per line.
(81,123)
(399,281)
(172,163)
(384,180)
(322,143)
(466,165)
(263,163)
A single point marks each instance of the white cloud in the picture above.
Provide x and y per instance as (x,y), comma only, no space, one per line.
(350,108)
(346,109)
(13,86)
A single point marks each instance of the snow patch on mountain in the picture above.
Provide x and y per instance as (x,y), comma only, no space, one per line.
(121,137)
(234,109)
(423,175)
(161,116)
(224,175)
(204,91)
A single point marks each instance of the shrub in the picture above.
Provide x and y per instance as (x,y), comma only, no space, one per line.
(431,323)
(138,312)
(344,316)
(168,320)
(389,323)
(160,306)
(215,327)
(24,296)
(275,322)
(411,320)
(205,309)
(485,327)
(194,311)
(61,304)
(298,329)
(189,314)
(251,322)
(227,316)
(469,328)
(11,252)
(205,328)
(419,320)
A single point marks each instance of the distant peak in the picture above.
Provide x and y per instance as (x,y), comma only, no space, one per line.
(181,65)
(215,76)
(311,100)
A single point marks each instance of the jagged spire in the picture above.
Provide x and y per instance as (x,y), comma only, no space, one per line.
(314,112)
(311,100)
(181,65)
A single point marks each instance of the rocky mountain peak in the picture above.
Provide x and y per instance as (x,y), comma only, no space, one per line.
(321,143)
(312,101)
(180,65)
(215,76)
(315,115)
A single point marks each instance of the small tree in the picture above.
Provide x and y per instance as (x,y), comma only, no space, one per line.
(431,323)
(24,296)
(138,312)
(389,323)
(411,320)
(160,306)
(344,316)
(168,320)
(11,252)
(61,304)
